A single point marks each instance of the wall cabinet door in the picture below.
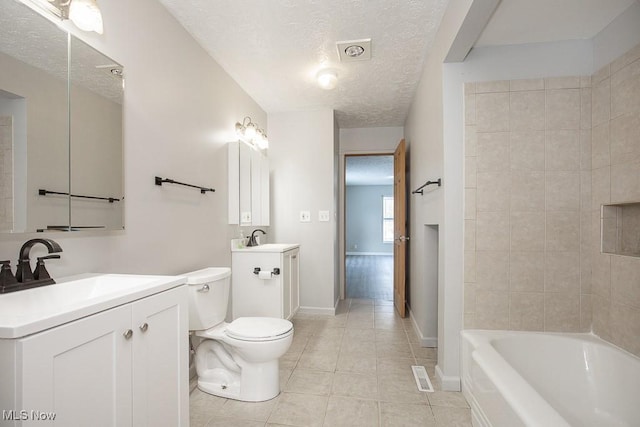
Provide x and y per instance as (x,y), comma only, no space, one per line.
(81,371)
(248,177)
(160,359)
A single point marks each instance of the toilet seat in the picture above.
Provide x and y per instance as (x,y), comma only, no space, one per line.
(258,329)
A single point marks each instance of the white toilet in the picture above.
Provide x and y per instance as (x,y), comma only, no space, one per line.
(237,360)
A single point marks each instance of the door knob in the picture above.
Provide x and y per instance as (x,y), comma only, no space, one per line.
(403,238)
(144,327)
(127,334)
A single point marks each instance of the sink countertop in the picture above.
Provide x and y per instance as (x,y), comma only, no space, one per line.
(33,310)
(267,247)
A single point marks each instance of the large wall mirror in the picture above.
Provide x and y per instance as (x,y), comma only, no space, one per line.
(60,129)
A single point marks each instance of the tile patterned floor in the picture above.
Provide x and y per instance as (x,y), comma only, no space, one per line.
(352,369)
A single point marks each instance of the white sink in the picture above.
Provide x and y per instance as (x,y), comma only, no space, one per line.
(33,310)
(267,247)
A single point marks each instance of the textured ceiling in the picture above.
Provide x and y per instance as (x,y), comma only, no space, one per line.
(527,21)
(369,170)
(30,38)
(274,48)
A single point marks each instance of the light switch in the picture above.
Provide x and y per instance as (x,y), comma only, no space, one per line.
(305,216)
(324,216)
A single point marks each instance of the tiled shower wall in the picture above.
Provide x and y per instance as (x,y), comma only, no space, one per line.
(541,158)
(616,179)
(528,204)
(6,173)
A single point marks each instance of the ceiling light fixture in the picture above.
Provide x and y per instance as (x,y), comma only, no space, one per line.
(327,78)
(354,50)
(249,133)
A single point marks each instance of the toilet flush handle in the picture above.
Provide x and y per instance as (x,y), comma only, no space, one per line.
(204,288)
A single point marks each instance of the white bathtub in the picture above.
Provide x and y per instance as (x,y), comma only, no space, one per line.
(532,379)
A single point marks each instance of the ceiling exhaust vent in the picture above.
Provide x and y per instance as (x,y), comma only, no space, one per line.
(354,50)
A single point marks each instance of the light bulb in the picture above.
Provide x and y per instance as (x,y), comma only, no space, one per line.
(327,79)
(85,14)
(250,132)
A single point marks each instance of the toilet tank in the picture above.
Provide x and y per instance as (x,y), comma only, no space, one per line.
(208,296)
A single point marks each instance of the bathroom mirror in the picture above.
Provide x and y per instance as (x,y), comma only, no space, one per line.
(60,128)
(248,185)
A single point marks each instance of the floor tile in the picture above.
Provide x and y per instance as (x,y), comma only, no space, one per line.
(349,412)
(355,385)
(295,409)
(452,417)
(310,382)
(405,415)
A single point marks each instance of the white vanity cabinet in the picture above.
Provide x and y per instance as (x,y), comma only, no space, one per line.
(124,366)
(277,296)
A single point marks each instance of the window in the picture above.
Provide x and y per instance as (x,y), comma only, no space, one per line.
(387,219)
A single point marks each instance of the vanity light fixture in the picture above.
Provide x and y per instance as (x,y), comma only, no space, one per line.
(327,78)
(85,14)
(249,133)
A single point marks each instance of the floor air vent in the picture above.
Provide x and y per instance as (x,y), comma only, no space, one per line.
(422,379)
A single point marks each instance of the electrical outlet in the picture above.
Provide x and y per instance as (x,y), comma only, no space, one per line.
(305,216)
(323,216)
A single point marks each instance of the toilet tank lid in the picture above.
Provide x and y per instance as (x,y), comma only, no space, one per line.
(207,275)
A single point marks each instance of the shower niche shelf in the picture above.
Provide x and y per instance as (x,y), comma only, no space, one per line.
(620,229)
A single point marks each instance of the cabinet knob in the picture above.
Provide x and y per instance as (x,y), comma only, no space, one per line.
(127,334)
(204,288)
(144,327)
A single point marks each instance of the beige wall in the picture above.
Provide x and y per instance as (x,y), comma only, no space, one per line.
(527,184)
(541,158)
(616,179)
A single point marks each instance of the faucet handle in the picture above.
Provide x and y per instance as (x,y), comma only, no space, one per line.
(6,275)
(41,272)
(23,271)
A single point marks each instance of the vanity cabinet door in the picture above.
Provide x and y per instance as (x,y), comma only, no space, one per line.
(81,371)
(295,281)
(160,359)
(291,298)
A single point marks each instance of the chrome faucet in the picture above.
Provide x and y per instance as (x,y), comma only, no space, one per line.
(252,239)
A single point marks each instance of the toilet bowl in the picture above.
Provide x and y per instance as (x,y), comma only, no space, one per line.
(237,360)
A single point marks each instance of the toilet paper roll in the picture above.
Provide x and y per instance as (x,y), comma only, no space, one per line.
(264,275)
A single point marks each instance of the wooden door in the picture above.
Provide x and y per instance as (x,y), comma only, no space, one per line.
(399,228)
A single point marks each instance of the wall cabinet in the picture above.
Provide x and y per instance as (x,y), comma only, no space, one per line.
(278,296)
(248,185)
(126,366)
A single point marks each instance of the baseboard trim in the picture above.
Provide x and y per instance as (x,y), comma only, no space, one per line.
(317,310)
(371,253)
(424,341)
(449,383)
